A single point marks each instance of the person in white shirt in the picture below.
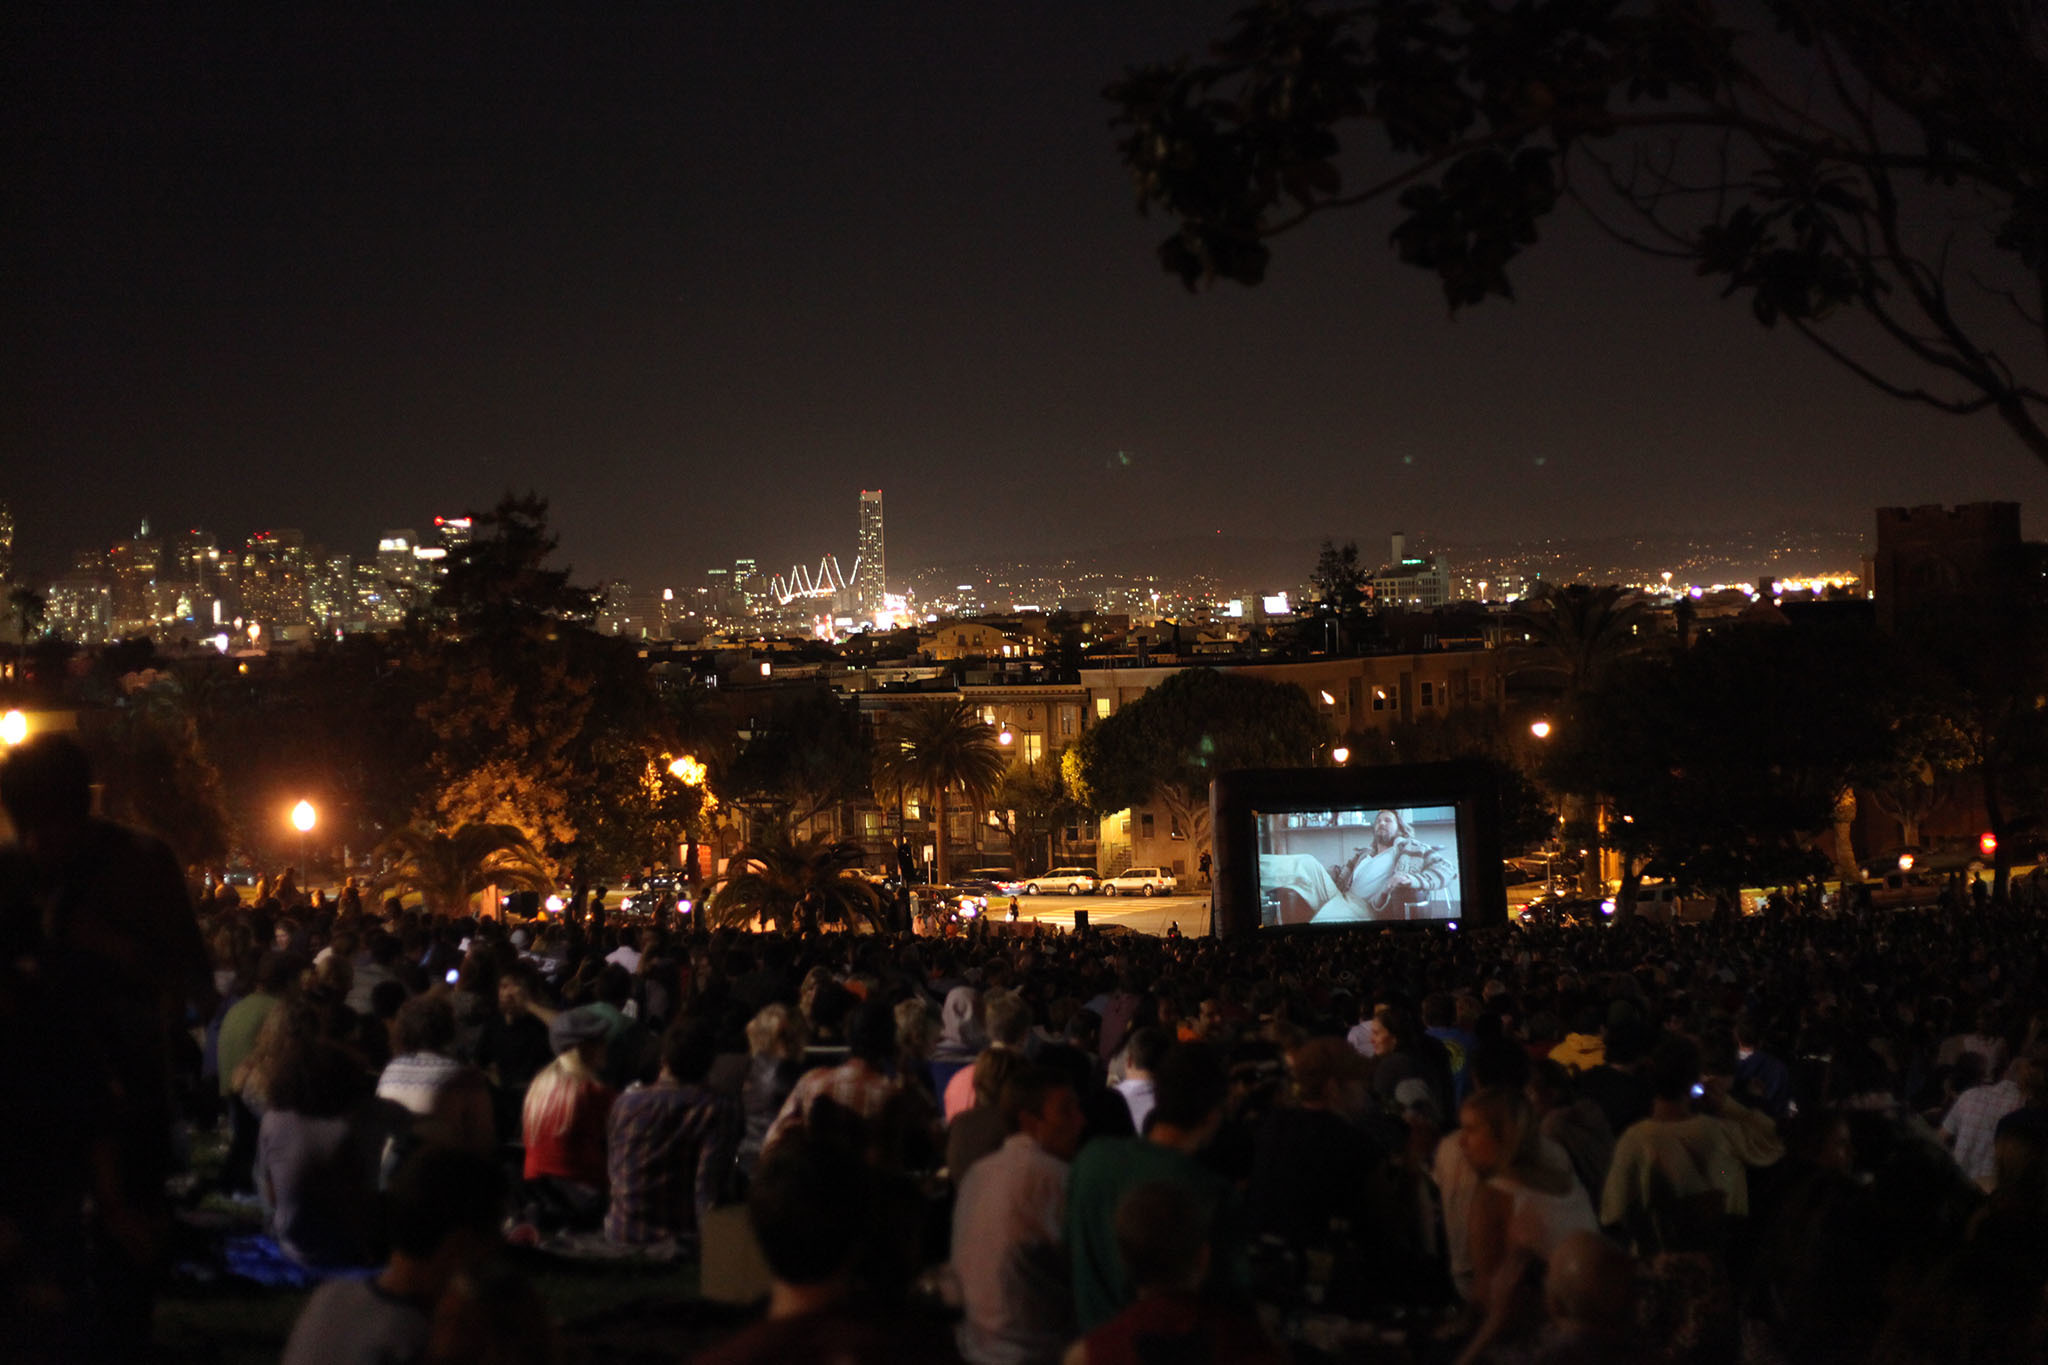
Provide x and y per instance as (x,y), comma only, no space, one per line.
(627,954)
(1008,1255)
(1971,1121)
(1147,1046)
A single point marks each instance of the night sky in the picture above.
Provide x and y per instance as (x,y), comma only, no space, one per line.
(700,272)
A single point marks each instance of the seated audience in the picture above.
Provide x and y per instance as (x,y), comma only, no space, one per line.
(670,1147)
(443,1211)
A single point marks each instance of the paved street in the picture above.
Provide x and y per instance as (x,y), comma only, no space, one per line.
(1145,914)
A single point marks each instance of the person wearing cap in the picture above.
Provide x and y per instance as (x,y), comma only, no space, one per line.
(564,1122)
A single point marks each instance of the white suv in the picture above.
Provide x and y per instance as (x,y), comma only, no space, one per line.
(1074,881)
(1146,881)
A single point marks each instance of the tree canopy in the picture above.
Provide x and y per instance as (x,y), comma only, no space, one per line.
(1719,763)
(934,749)
(501,581)
(1872,174)
(1173,740)
(797,883)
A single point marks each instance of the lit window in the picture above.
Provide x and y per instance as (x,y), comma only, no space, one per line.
(1033,746)
(1102,708)
(1067,722)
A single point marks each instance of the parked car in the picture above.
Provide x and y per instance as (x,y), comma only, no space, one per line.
(999,880)
(1075,881)
(1145,881)
(1552,912)
(1666,902)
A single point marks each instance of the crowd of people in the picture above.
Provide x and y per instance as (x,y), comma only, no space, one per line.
(1775,1138)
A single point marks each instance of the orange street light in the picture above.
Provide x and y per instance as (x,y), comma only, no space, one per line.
(304,817)
(13,728)
(1540,729)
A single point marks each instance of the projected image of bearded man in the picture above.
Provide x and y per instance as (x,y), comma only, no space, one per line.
(1378,881)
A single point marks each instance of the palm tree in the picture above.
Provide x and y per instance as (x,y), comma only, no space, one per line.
(29,609)
(934,750)
(799,882)
(1581,633)
(447,869)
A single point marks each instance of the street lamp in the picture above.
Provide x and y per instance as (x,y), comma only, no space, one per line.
(1004,737)
(1340,755)
(303,819)
(687,771)
(13,728)
(1540,729)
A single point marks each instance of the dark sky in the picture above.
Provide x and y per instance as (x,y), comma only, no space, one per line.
(700,272)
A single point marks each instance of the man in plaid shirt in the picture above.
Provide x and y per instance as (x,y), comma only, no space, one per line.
(861,1083)
(669,1147)
(1972,1121)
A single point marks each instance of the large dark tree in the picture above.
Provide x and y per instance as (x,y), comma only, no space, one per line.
(501,582)
(1170,743)
(1719,765)
(1872,174)
(806,754)
(1340,581)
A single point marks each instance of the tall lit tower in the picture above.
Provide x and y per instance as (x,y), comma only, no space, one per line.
(871,579)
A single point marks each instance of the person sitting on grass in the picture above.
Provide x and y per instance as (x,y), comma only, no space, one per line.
(815,1209)
(564,1120)
(1163,1232)
(318,1145)
(443,1218)
(670,1146)
(450,1102)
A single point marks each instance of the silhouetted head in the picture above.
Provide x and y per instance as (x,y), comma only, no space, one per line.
(46,786)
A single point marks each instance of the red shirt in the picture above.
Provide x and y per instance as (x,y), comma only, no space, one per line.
(576,1150)
(1181,1327)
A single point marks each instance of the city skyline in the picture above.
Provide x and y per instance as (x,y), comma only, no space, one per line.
(187,585)
(423,260)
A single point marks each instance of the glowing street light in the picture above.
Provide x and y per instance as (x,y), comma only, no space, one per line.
(687,771)
(13,728)
(1540,729)
(303,819)
(1340,755)
(1004,737)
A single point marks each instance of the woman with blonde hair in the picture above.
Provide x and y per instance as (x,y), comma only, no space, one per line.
(775,1044)
(564,1123)
(1528,1204)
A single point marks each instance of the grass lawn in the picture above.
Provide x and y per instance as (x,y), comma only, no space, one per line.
(606,1311)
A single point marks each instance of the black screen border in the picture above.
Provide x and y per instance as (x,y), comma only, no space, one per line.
(1236,798)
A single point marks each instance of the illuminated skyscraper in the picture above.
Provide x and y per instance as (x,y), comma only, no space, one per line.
(870,581)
